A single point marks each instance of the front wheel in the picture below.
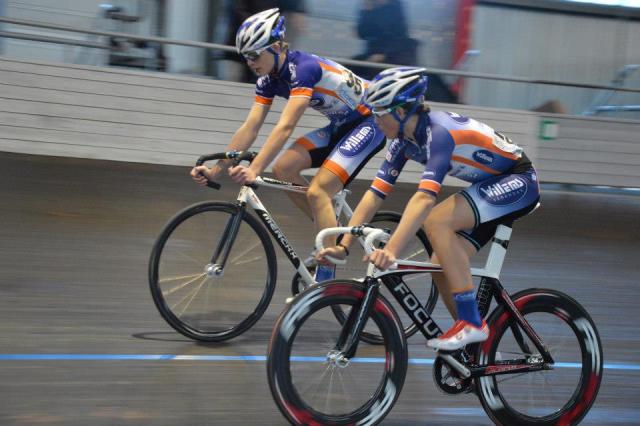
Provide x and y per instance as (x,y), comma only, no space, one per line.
(311,383)
(198,292)
(560,395)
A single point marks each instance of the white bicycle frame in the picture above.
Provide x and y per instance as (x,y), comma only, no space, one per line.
(247,196)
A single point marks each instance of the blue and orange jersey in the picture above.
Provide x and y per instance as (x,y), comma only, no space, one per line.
(449,144)
(335,91)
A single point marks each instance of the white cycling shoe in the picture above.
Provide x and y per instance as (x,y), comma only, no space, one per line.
(461,334)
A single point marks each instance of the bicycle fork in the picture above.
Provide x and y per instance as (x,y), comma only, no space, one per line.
(347,343)
(219,259)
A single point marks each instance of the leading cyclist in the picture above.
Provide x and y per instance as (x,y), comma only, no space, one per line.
(340,149)
(504,187)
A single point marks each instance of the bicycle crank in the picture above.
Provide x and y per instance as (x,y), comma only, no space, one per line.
(448,379)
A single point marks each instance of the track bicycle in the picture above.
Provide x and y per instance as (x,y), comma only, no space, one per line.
(213,270)
(541,365)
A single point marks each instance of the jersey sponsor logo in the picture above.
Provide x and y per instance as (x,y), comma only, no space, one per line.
(504,192)
(458,118)
(262,82)
(345,95)
(357,142)
(292,71)
(483,157)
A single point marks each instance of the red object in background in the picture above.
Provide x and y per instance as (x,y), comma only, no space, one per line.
(463,37)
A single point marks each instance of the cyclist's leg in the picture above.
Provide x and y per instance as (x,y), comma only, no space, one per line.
(351,147)
(288,167)
(441,280)
(324,186)
(308,151)
(452,251)
(473,215)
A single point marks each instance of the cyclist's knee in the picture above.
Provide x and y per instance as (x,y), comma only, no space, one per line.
(437,226)
(317,193)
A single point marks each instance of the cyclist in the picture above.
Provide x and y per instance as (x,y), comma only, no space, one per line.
(504,187)
(340,149)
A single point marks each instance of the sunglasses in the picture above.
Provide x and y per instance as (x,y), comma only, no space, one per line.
(379,112)
(254,55)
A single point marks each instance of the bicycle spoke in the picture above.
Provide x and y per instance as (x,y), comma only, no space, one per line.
(239,257)
(415,254)
(173,290)
(248,261)
(180,277)
(194,292)
(329,391)
(192,259)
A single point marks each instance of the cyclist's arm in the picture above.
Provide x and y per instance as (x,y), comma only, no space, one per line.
(424,199)
(364,212)
(414,215)
(244,137)
(280,134)
(382,185)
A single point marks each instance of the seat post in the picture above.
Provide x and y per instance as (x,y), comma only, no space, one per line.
(498,250)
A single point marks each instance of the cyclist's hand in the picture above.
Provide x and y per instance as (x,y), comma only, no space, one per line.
(242,175)
(382,258)
(335,251)
(202,174)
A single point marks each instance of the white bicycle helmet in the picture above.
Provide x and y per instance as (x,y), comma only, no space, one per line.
(396,86)
(260,31)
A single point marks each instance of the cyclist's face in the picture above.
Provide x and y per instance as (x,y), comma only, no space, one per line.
(388,124)
(262,64)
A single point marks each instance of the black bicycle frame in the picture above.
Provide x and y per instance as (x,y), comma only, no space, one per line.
(489,287)
(225,244)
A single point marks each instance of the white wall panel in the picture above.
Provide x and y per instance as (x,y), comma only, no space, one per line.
(123,115)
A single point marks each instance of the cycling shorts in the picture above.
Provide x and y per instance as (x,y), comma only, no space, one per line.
(343,150)
(499,200)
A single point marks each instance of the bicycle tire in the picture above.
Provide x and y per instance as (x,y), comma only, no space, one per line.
(188,235)
(419,249)
(546,310)
(290,373)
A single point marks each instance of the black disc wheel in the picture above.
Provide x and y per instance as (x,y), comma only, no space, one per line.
(310,379)
(564,391)
(212,271)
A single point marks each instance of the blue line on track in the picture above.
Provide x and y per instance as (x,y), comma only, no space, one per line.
(261,358)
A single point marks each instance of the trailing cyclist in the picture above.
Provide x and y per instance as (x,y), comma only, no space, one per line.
(504,187)
(339,149)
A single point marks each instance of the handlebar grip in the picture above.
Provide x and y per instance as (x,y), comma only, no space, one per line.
(209,157)
(235,155)
(246,156)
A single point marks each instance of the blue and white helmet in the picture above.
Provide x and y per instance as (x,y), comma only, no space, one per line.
(395,86)
(260,31)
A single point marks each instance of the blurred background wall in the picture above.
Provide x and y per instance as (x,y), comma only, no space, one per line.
(588,46)
(545,40)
